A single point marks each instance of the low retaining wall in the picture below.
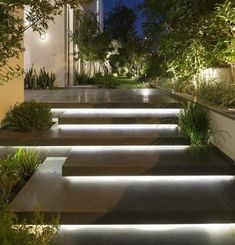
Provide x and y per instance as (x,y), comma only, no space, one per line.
(226,133)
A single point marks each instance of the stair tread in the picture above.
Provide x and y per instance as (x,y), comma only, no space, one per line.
(188,199)
(143,160)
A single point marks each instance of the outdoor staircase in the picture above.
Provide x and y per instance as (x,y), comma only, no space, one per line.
(137,184)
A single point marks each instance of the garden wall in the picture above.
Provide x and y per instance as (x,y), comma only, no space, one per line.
(226,133)
(220,74)
(13,91)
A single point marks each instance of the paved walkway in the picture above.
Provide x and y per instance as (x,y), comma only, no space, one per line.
(131,175)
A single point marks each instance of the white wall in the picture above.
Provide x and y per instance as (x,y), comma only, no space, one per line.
(55,53)
(220,74)
(226,133)
(50,53)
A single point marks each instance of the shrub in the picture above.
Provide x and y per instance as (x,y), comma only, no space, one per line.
(216,93)
(82,79)
(29,116)
(106,81)
(34,234)
(195,122)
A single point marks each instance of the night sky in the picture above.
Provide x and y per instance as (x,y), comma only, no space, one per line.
(109,4)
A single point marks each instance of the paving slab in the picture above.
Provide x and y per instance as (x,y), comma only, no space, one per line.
(130,200)
(147,235)
(77,97)
(72,135)
(144,160)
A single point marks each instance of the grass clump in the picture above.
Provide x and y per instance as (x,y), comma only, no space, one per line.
(216,93)
(14,173)
(195,122)
(29,116)
(16,170)
(37,233)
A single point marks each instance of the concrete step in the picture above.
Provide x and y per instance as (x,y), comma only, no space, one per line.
(72,135)
(210,234)
(119,116)
(143,160)
(127,200)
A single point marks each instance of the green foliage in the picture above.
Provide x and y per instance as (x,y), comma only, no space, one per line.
(215,92)
(195,122)
(15,171)
(43,80)
(120,22)
(30,79)
(188,36)
(29,116)
(106,81)
(38,232)
(83,79)
(12,27)
(92,42)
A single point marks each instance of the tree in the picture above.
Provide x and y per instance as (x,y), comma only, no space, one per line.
(120,22)
(188,36)
(92,42)
(12,27)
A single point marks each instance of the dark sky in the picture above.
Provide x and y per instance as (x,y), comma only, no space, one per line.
(108,5)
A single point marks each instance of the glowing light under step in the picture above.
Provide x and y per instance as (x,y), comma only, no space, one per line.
(119,126)
(131,148)
(124,111)
(218,228)
(154,179)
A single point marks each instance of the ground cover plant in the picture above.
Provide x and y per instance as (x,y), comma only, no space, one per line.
(29,116)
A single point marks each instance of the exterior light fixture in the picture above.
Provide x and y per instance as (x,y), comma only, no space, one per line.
(43,36)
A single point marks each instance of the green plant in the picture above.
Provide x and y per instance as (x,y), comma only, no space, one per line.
(30,79)
(38,232)
(216,92)
(83,79)
(106,81)
(45,79)
(195,122)
(25,161)
(29,116)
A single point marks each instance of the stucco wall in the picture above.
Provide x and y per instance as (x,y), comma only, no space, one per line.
(226,133)
(13,91)
(220,74)
(51,52)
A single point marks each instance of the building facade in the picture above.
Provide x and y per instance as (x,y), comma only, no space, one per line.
(54,50)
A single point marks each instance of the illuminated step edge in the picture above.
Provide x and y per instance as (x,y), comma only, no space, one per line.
(152,179)
(119,111)
(159,227)
(121,126)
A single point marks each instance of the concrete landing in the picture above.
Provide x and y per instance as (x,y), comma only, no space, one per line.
(119,116)
(72,135)
(119,200)
(143,160)
(147,235)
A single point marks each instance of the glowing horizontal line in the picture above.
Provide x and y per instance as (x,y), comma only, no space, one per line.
(119,126)
(124,111)
(120,179)
(208,227)
(133,148)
